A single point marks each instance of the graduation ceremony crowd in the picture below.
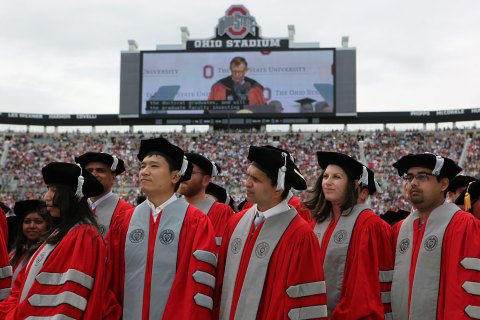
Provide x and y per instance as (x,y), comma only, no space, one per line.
(307,242)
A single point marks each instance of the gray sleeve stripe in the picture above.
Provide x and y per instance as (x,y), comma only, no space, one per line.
(386,297)
(4,293)
(57,279)
(204,278)
(307,289)
(388,316)
(54,300)
(206,256)
(472,287)
(471,263)
(218,240)
(6,272)
(55,317)
(308,312)
(385,276)
(203,301)
(473,312)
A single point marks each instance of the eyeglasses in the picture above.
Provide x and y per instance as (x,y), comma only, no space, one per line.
(420,177)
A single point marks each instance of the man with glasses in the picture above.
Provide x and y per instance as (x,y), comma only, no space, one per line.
(437,247)
(237,87)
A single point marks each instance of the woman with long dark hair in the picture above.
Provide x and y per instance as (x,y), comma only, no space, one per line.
(355,243)
(33,227)
(64,278)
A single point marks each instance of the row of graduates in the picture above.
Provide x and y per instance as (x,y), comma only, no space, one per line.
(169,259)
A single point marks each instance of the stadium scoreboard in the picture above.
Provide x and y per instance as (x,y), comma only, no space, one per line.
(301,82)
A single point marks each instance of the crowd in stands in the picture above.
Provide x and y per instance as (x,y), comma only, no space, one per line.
(26,154)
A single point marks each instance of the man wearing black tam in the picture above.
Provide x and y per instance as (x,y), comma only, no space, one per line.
(457,185)
(105,167)
(194,191)
(66,276)
(162,254)
(437,258)
(269,261)
(468,199)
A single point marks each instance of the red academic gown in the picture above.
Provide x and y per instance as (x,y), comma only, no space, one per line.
(196,234)
(223,88)
(6,275)
(295,202)
(461,239)
(296,260)
(122,208)
(83,250)
(219,214)
(4,226)
(369,252)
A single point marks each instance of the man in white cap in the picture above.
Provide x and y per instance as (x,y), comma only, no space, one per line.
(269,261)
(162,254)
(437,247)
(105,168)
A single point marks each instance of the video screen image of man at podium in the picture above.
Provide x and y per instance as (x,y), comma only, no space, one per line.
(238,87)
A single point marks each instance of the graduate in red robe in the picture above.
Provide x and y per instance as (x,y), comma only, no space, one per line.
(437,258)
(221,195)
(106,206)
(355,243)
(269,261)
(65,278)
(194,191)
(5,267)
(161,255)
(238,87)
(35,224)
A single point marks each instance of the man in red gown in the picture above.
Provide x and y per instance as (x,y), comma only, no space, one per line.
(194,191)
(269,261)
(161,254)
(107,205)
(238,87)
(437,259)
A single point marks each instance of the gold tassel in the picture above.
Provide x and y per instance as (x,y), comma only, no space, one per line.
(467,203)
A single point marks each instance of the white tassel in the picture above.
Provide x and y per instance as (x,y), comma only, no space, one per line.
(227,200)
(114,164)
(377,187)
(438,165)
(214,170)
(80,180)
(364,177)
(281,173)
(184,167)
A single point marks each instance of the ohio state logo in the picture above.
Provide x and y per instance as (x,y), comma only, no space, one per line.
(237,23)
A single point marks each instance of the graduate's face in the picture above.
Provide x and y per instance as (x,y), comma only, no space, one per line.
(48,198)
(260,189)
(197,183)
(34,226)
(103,174)
(156,177)
(425,193)
(334,184)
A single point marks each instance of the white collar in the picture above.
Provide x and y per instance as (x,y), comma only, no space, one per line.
(279,208)
(156,210)
(95,204)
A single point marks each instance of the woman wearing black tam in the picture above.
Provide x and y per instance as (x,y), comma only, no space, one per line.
(65,277)
(355,243)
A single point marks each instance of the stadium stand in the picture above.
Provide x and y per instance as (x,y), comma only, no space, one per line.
(23,154)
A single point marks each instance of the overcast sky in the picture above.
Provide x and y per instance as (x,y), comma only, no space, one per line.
(64,56)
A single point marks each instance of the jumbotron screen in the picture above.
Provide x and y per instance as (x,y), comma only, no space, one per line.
(290,81)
